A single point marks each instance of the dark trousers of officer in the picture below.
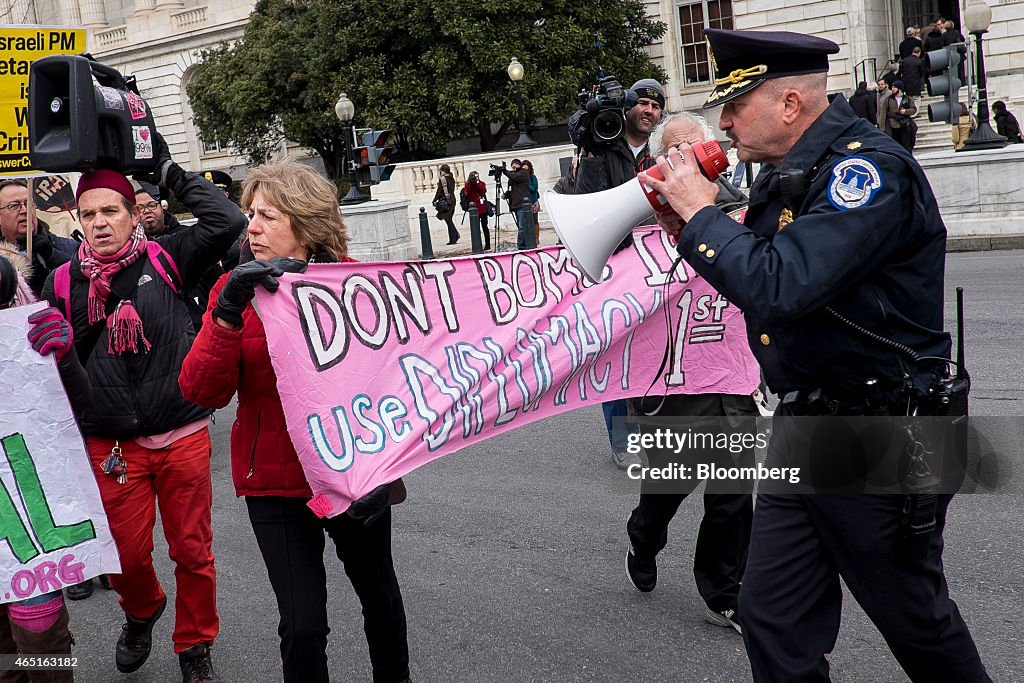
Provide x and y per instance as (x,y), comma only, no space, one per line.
(791,597)
(291,539)
(724,535)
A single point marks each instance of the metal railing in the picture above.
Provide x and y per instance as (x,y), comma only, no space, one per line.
(861,73)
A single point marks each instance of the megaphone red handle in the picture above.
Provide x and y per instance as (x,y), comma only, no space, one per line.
(656,200)
(711,161)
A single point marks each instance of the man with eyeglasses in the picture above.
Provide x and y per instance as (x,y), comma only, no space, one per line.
(155,222)
(48,251)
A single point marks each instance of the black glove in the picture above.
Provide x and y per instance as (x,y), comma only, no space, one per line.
(240,288)
(587,143)
(42,246)
(158,176)
(370,507)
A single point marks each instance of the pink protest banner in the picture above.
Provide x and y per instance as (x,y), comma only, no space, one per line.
(383,367)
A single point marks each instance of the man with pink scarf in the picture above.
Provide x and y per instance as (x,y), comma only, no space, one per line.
(149,447)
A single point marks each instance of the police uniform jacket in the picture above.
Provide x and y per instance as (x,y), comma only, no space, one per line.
(865,240)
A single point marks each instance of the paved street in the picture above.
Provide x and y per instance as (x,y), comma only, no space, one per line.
(510,555)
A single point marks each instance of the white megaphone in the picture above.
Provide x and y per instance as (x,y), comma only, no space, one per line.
(590,226)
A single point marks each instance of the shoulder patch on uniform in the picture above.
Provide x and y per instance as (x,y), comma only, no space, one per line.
(855,181)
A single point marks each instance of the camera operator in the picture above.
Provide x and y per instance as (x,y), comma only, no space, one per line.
(148,445)
(604,166)
(608,165)
(519,197)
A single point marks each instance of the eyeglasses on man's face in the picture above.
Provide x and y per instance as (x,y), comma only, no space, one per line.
(151,207)
(15,207)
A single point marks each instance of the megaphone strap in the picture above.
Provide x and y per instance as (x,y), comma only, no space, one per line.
(669,347)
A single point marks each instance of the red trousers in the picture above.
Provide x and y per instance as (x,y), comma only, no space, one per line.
(176,478)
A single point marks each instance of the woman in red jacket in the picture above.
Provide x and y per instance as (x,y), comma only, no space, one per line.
(294,219)
(476,190)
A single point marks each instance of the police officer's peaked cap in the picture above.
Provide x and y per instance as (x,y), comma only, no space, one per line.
(218,178)
(743,60)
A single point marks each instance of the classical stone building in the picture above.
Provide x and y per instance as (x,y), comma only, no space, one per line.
(867,31)
(160,40)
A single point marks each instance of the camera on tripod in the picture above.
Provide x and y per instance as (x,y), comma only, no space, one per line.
(497,171)
(601,118)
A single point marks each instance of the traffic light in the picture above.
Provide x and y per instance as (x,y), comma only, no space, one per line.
(362,166)
(380,158)
(947,84)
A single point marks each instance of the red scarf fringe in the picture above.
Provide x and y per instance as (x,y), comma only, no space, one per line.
(124,330)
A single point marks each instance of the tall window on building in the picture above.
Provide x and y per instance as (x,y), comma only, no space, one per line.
(208,148)
(921,12)
(211,147)
(694,17)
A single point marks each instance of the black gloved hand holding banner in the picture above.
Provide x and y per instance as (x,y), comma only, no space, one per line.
(240,287)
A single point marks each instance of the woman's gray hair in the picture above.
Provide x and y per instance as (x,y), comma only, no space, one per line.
(655,144)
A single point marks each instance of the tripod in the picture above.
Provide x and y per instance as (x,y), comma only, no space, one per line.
(497,212)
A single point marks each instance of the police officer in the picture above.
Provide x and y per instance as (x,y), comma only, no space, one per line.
(221,179)
(841,222)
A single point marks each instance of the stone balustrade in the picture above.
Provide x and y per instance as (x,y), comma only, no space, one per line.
(417,180)
(188,19)
(111,37)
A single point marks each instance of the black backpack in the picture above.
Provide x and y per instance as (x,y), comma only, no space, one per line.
(464,199)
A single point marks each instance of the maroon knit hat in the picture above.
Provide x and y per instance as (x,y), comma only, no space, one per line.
(105,178)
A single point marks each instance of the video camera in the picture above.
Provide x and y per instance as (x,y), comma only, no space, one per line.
(601,118)
(497,171)
(84,115)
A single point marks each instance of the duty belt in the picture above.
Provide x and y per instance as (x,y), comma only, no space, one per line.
(817,401)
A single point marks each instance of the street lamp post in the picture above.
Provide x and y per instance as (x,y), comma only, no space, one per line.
(515,72)
(977,18)
(346,111)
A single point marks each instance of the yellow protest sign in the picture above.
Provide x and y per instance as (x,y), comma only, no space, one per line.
(19,47)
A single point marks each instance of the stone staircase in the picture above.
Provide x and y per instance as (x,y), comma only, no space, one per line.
(932,137)
(937,137)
